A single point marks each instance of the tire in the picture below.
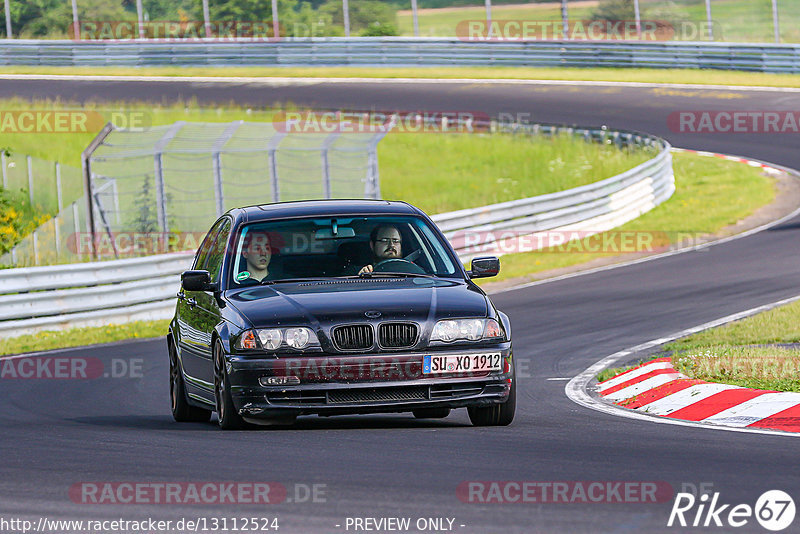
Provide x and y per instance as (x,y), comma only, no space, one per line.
(497,414)
(227,415)
(182,411)
(431,413)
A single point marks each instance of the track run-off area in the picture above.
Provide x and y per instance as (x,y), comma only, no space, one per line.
(60,437)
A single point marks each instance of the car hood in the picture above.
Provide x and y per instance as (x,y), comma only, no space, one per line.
(329,302)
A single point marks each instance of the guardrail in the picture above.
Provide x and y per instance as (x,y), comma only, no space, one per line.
(405,51)
(89,294)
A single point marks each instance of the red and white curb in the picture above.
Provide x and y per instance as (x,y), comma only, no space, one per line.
(772,169)
(656,388)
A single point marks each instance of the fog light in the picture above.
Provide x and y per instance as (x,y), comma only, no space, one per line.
(279,380)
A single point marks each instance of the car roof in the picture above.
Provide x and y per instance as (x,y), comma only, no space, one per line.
(323,208)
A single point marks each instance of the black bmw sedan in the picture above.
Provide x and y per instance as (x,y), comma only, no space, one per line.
(336,307)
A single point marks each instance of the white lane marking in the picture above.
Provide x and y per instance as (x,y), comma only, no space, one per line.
(682,399)
(645,385)
(755,409)
(303,80)
(559,378)
(636,373)
(576,389)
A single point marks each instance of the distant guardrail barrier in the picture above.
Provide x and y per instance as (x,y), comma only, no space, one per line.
(405,51)
(88,294)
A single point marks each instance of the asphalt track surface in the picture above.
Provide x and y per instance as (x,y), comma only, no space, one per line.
(56,434)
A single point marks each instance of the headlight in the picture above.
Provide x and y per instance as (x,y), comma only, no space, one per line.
(297,338)
(469,329)
(270,338)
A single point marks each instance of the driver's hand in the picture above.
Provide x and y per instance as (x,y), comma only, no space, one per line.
(365,269)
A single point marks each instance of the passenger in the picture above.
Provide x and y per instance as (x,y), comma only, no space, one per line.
(257,251)
(386,243)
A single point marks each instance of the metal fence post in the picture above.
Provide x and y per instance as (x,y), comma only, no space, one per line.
(775,24)
(216,159)
(30,179)
(276,25)
(5,169)
(35,247)
(273,176)
(415,16)
(272,147)
(59,194)
(326,169)
(88,189)
(57,233)
(161,197)
(708,20)
(9,34)
(76,226)
(346,14)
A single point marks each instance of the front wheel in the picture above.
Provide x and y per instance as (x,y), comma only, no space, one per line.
(497,414)
(182,411)
(227,416)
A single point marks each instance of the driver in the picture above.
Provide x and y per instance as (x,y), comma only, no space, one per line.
(386,244)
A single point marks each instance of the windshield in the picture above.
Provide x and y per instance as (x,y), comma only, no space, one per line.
(269,252)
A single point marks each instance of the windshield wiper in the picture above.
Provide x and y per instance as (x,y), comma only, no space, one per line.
(390,274)
(294,280)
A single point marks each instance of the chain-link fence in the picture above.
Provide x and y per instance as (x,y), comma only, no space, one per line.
(159,189)
(48,186)
(53,190)
(182,176)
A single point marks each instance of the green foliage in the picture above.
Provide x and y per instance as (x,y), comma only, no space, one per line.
(614,10)
(17,218)
(364,14)
(379,29)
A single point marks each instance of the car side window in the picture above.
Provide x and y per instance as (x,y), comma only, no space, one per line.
(217,253)
(205,246)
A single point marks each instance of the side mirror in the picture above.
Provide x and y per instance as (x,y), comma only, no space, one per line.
(196,280)
(484,267)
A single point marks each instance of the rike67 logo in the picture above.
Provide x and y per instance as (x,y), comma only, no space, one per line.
(774,510)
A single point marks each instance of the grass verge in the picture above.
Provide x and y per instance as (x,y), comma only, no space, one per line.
(770,368)
(736,353)
(710,195)
(734,20)
(679,76)
(421,169)
(79,337)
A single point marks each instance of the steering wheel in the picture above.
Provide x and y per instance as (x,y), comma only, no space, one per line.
(397,265)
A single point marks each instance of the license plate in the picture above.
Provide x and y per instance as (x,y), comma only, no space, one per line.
(467,363)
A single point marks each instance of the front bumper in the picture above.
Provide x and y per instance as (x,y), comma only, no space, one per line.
(364,383)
